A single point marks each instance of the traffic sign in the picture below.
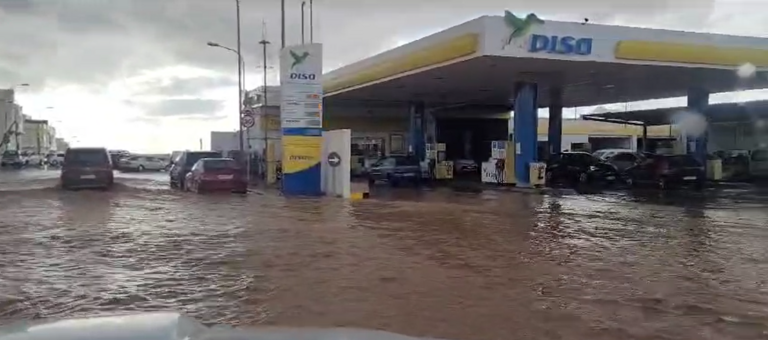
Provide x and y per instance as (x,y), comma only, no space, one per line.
(246,112)
(334,159)
(247,121)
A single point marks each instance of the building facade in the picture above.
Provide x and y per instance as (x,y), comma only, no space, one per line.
(11,121)
(38,136)
(61,145)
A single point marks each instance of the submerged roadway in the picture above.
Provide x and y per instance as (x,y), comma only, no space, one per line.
(487,266)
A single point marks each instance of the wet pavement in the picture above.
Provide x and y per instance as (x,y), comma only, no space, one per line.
(481,266)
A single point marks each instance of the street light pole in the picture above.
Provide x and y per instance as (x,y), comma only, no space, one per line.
(311,24)
(303,4)
(264,108)
(282,24)
(239,80)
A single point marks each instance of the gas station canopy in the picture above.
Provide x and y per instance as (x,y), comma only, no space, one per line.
(715,113)
(479,62)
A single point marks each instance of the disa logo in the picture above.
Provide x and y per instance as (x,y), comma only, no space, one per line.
(299,59)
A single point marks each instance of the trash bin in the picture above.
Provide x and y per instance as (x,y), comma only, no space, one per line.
(714,169)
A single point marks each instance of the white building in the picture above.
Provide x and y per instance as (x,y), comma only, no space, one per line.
(39,137)
(61,145)
(265,105)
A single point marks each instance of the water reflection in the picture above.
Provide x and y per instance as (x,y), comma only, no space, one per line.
(435,262)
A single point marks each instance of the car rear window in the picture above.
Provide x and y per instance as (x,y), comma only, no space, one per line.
(86,157)
(193,157)
(682,161)
(760,155)
(219,164)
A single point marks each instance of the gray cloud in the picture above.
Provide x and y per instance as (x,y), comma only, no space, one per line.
(178,86)
(179,107)
(92,42)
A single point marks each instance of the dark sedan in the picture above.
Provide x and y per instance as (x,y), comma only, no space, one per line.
(580,168)
(395,170)
(664,172)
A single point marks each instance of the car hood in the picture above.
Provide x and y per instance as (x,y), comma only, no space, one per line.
(174,326)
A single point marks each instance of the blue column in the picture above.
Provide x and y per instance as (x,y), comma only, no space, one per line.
(525,130)
(555,130)
(416,131)
(698,101)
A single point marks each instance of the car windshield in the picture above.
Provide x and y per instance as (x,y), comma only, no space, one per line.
(86,157)
(406,161)
(193,157)
(219,164)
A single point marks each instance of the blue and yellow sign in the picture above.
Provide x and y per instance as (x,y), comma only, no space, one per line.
(301,165)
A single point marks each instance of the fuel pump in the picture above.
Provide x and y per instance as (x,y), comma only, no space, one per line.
(442,169)
(500,168)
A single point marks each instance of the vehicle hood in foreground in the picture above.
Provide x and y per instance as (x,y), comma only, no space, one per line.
(173,326)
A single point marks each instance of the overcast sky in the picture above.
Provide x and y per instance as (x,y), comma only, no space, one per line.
(137,74)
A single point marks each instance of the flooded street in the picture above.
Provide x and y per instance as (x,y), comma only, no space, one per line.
(495,265)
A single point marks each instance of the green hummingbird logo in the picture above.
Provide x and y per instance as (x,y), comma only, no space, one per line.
(298,59)
(519,27)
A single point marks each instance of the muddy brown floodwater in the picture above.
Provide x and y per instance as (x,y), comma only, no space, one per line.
(490,266)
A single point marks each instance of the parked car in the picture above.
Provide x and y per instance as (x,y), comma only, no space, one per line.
(665,171)
(32,159)
(183,164)
(116,156)
(624,160)
(758,163)
(580,167)
(141,163)
(87,168)
(56,159)
(395,170)
(12,158)
(605,154)
(216,174)
(465,166)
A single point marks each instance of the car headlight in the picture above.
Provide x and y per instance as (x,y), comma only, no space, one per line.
(592,168)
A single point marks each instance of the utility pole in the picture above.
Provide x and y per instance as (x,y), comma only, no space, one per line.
(239,82)
(311,23)
(303,4)
(282,24)
(264,118)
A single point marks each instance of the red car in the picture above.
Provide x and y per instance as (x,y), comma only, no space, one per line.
(216,174)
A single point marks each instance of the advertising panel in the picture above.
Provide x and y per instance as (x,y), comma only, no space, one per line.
(301,93)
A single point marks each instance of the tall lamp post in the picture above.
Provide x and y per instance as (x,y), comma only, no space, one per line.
(240,81)
(311,24)
(264,119)
(240,85)
(239,75)
(303,4)
(282,24)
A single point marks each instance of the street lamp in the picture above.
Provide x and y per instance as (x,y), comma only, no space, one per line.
(240,85)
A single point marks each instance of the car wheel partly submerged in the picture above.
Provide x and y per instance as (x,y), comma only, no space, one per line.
(583,178)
